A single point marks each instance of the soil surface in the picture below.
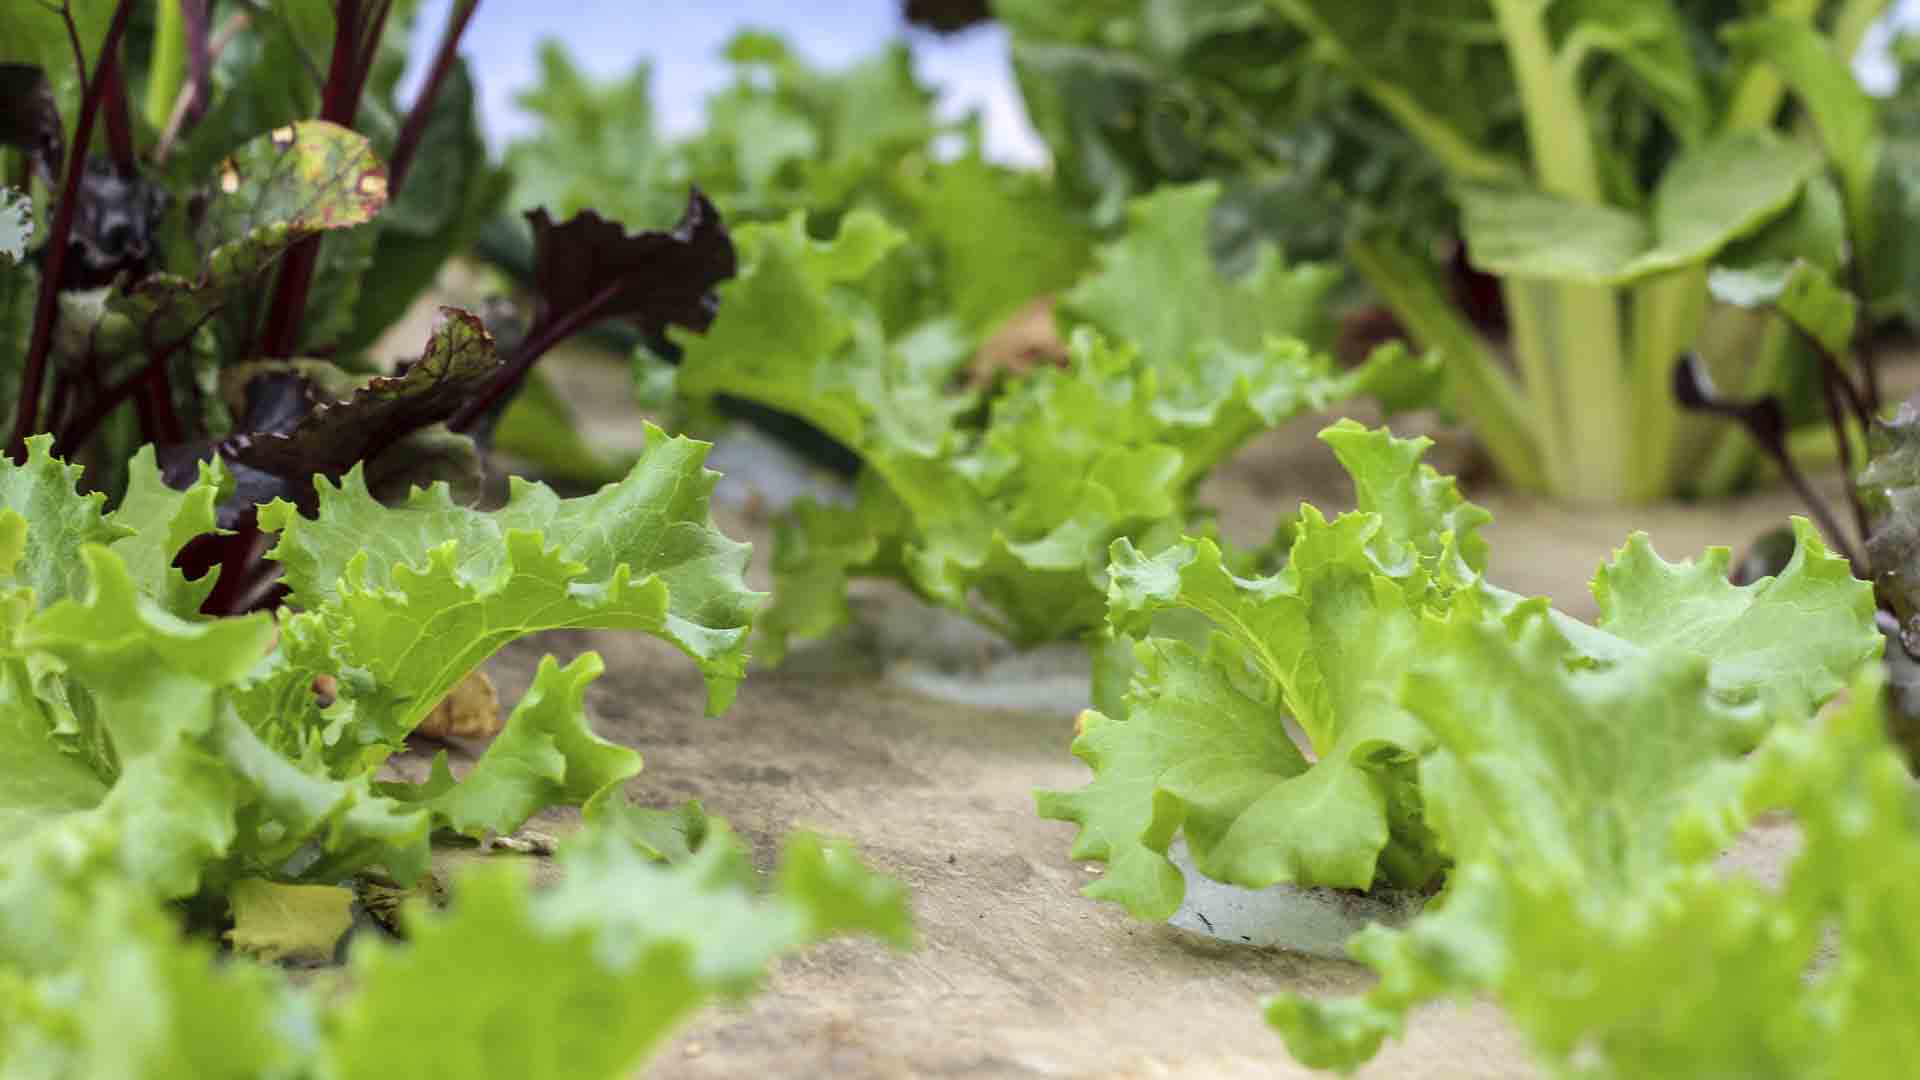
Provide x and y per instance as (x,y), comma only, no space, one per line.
(922,742)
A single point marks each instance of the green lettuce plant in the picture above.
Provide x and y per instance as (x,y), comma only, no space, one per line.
(1202,748)
(1560,788)
(1002,504)
(160,767)
(1585,901)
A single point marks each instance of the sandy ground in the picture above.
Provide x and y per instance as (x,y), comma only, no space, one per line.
(1016,974)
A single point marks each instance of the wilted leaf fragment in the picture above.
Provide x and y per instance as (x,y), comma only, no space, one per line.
(471,710)
(293,924)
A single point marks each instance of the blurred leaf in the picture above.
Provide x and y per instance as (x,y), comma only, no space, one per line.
(277,190)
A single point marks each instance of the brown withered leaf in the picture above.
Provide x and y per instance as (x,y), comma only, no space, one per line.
(471,710)
(1027,340)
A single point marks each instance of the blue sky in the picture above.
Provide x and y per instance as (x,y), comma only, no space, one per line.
(683,40)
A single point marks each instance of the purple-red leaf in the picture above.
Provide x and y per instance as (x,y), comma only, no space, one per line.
(459,360)
(594,267)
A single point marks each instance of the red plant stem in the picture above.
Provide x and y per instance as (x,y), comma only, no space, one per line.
(158,390)
(73,41)
(119,119)
(237,586)
(145,409)
(1830,380)
(62,392)
(46,306)
(415,127)
(334,103)
(339,102)
(369,46)
(196,17)
(102,405)
(543,336)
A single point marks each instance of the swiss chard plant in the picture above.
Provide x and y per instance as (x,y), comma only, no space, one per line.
(1598,159)
(1131,95)
(1659,140)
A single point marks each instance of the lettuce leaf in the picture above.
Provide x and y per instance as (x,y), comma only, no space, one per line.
(156,763)
(176,753)
(581,980)
(1007,516)
(1202,749)
(1586,903)
(1158,286)
(399,603)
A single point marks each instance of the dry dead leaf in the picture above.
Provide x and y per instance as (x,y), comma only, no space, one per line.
(470,711)
(1025,341)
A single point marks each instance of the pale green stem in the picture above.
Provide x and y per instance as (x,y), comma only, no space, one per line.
(1529,304)
(1558,138)
(167,72)
(1667,313)
(1575,328)
(1478,388)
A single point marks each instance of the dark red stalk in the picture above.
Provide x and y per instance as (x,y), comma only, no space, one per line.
(197,19)
(46,305)
(73,42)
(157,389)
(1830,376)
(101,406)
(1863,337)
(145,410)
(119,118)
(544,335)
(415,127)
(245,579)
(369,47)
(339,102)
